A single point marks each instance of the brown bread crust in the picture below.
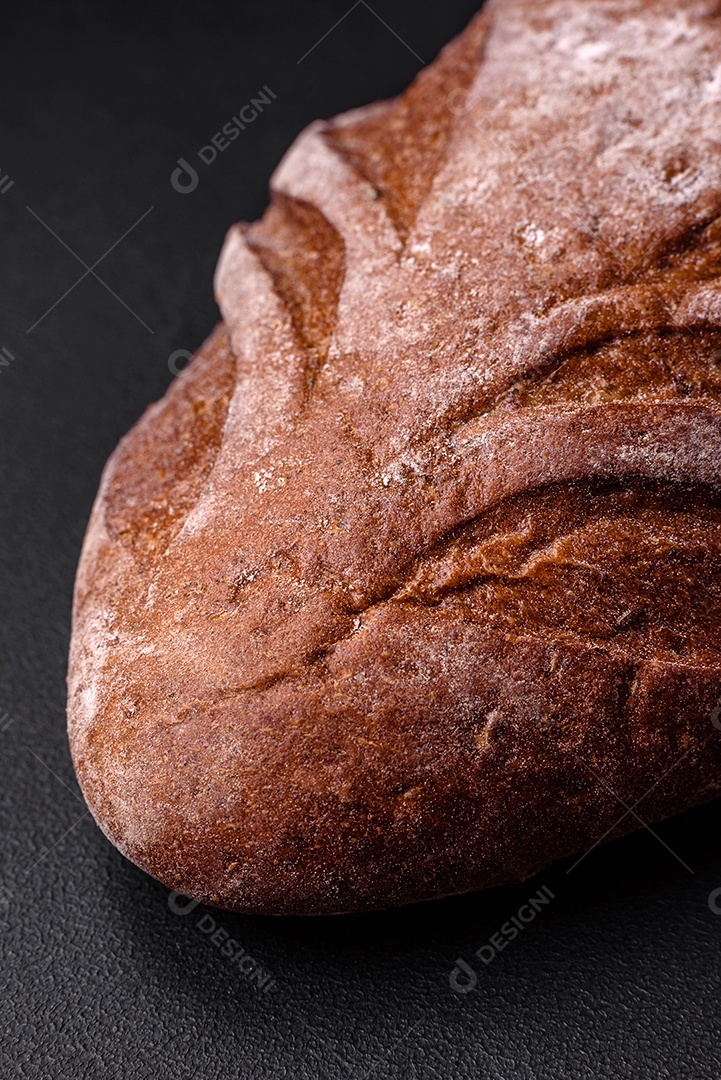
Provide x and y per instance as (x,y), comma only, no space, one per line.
(411,584)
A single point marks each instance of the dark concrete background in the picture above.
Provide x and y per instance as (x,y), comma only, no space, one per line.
(617,977)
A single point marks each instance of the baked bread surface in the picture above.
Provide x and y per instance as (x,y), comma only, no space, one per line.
(411,584)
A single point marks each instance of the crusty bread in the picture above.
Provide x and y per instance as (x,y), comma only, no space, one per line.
(412,582)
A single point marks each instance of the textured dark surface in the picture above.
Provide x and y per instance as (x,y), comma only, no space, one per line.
(618,976)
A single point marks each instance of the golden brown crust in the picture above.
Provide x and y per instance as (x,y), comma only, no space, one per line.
(416,571)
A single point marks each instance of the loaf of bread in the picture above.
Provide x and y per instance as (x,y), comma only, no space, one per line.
(411,584)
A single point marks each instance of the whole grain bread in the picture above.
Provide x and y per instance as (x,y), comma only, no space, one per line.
(412,582)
